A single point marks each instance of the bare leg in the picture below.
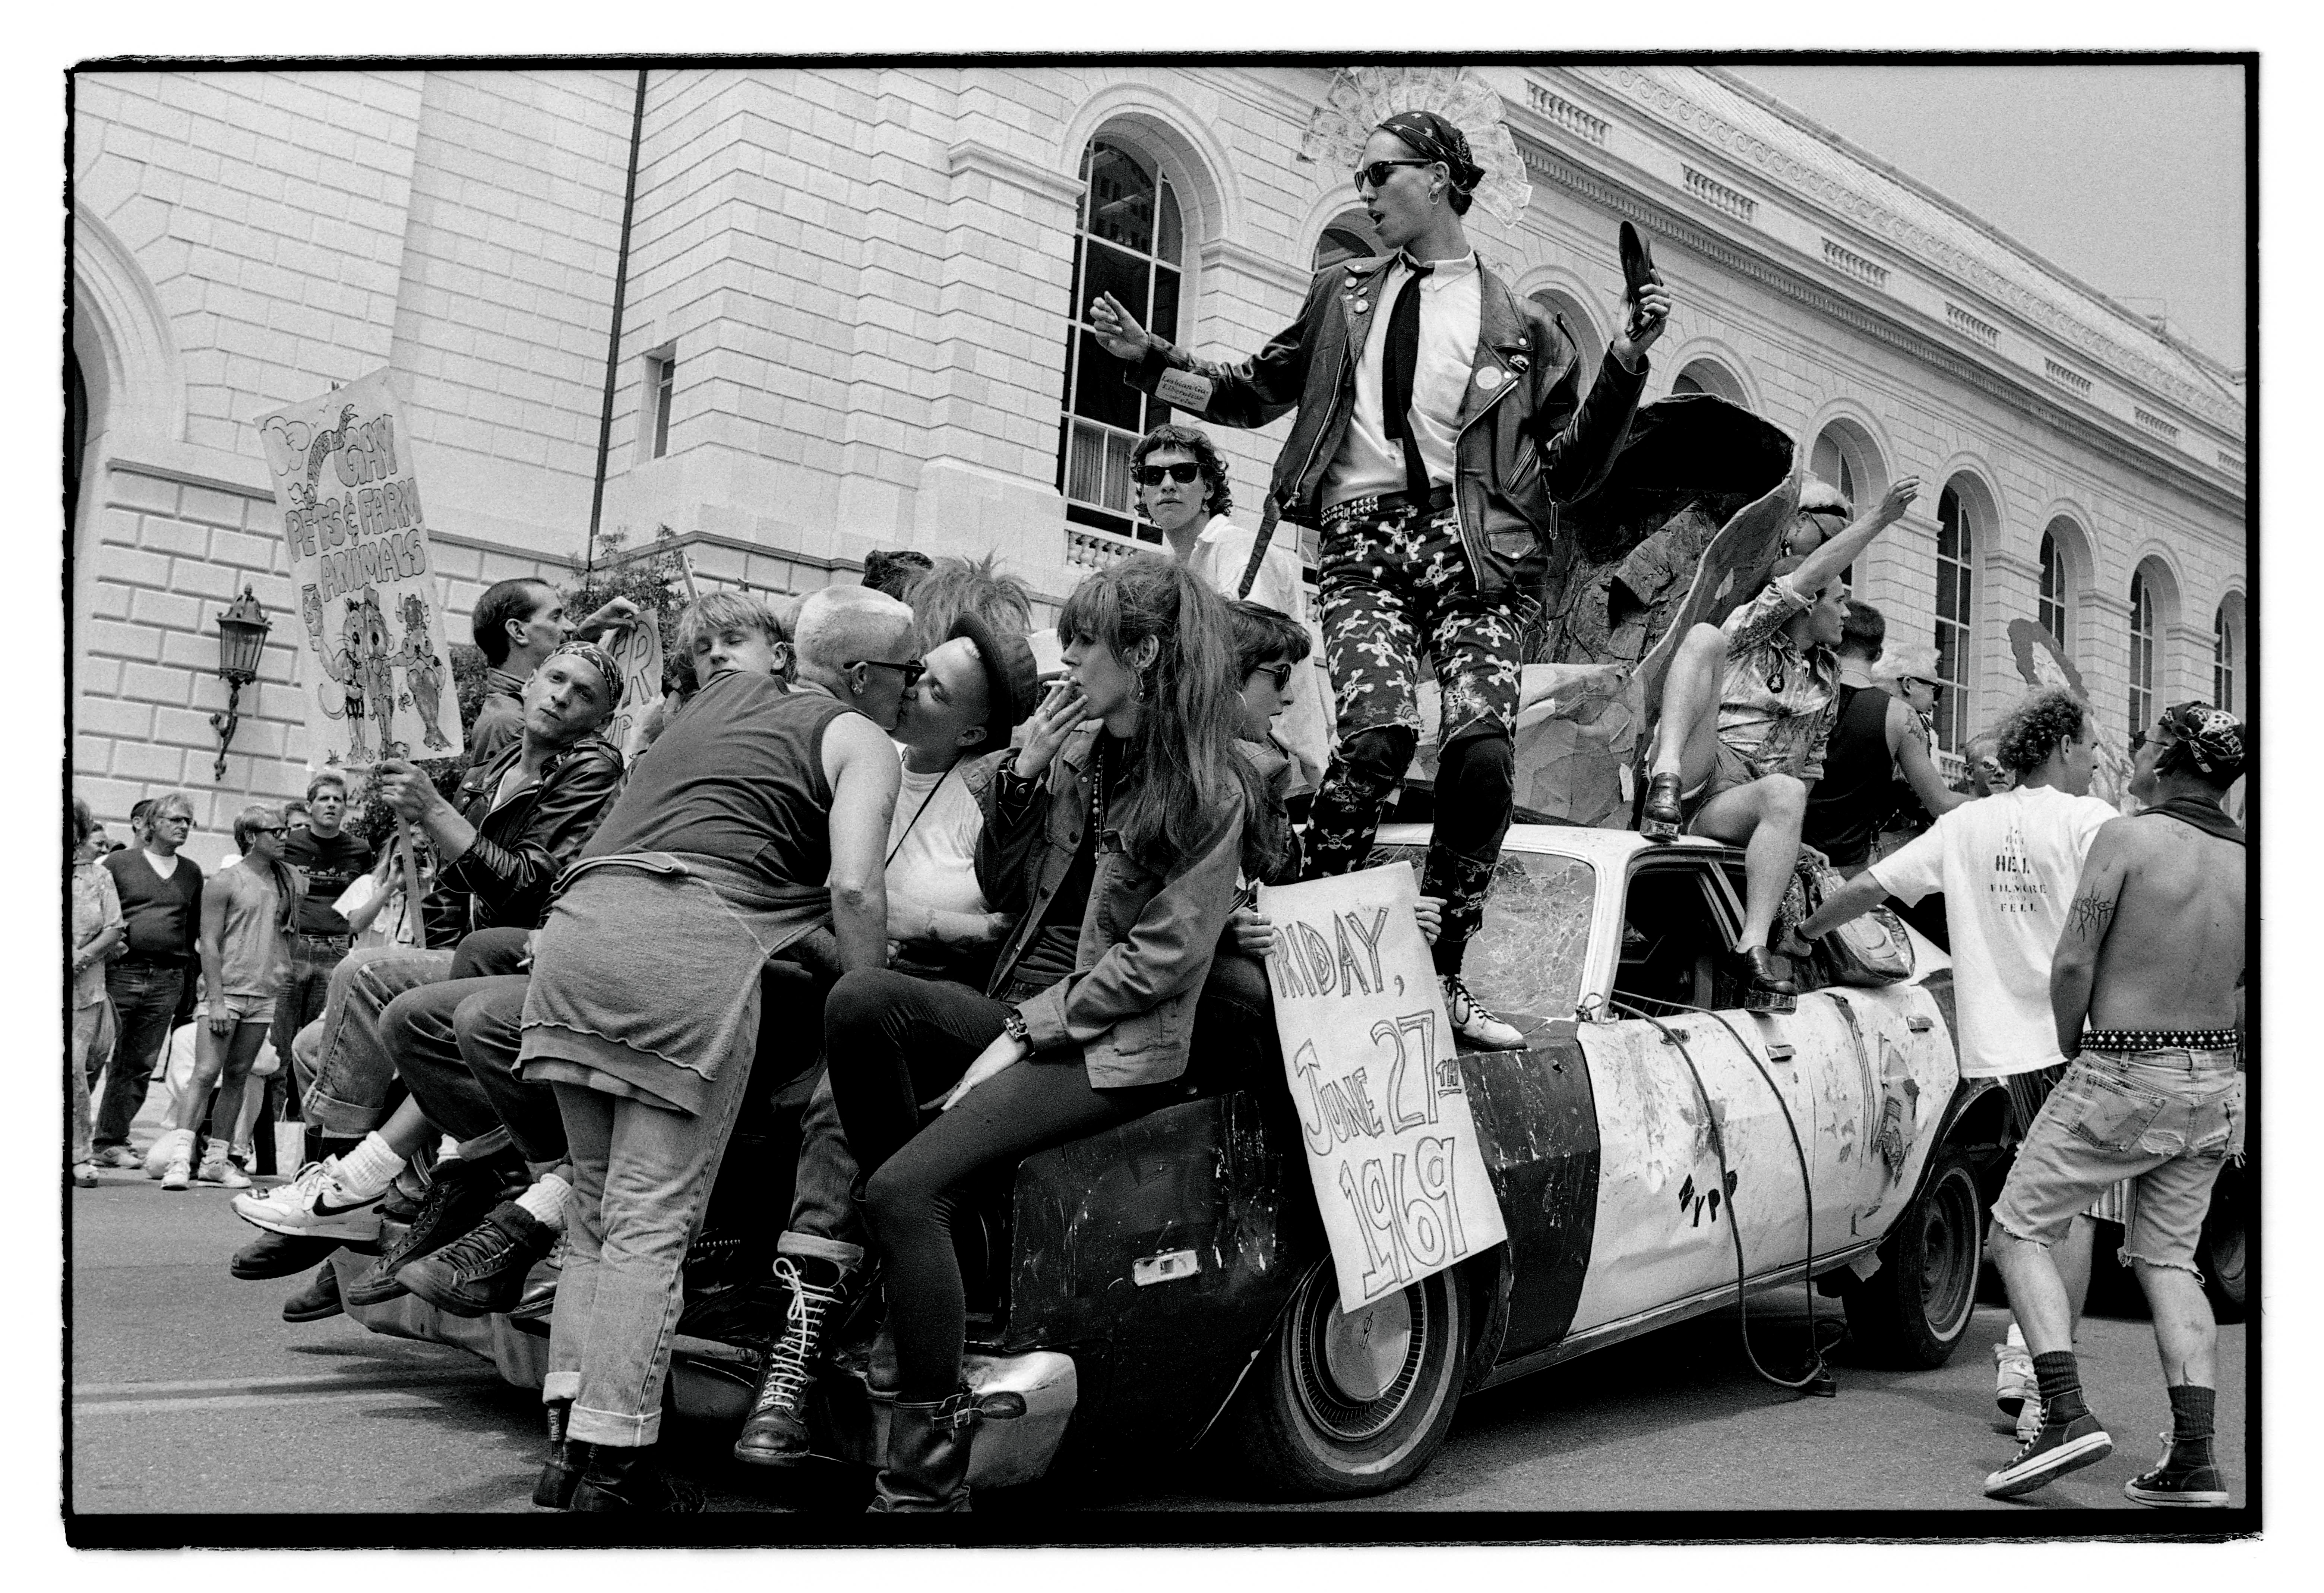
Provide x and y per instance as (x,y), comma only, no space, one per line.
(407,1128)
(2071,1256)
(240,1051)
(210,1049)
(2186,1334)
(2037,1295)
(1764,816)
(1690,706)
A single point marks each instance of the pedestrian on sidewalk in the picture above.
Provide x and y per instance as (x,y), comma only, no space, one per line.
(97,928)
(161,896)
(2153,958)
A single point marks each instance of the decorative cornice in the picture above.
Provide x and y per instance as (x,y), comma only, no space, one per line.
(1225,253)
(985,160)
(1703,123)
(1611,194)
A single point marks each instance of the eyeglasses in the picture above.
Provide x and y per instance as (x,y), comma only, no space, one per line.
(1152,475)
(910,671)
(281,829)
(1280,673)
(1375,175)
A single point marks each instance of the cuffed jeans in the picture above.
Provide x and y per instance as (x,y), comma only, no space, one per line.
(352,1089)
(144,1000)
(641,1180)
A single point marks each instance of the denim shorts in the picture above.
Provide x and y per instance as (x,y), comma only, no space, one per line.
(251,1009)
(2169,1119)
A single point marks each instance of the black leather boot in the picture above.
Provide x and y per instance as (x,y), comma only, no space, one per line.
(774,1433)
(632,1480)
(461,1195)
(927,1457)
(317,1300)
(280,1256)
(569,1457)
(483,1270)
(1765,990)
(1664,815)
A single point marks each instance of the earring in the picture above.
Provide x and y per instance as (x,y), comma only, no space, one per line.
(1140,687)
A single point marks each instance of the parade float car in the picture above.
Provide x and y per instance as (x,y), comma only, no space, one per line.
(1656,1152)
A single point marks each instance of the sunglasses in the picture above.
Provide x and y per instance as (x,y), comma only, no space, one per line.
(1152,475)
(1376,174)
(1280,673)
(277,830)
(910,671)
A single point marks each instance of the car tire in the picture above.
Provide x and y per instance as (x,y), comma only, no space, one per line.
(2223,1255)
(1340,1407)
(1915,1311)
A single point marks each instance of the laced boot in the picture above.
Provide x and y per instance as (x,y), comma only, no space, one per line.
(460,1197)
(569,1457)
(625,1480)
(776,1433)
(928,1457)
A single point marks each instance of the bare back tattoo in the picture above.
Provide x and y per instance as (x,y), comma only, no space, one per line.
(2089,917)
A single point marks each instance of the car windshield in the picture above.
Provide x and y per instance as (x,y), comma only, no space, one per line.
(1526,962)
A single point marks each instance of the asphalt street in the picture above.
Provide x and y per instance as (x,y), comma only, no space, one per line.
(190,1393)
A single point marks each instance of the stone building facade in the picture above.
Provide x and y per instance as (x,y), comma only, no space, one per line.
(851,323)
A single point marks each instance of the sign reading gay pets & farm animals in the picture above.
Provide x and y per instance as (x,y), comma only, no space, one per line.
(379,675)
(1399,1176)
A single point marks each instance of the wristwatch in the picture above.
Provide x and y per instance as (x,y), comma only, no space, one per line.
(1012,1024)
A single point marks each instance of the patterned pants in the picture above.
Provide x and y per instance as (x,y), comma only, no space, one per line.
(1387,585)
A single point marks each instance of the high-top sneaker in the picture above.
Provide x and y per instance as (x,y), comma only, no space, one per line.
(774,1433)
(2176,1482)
(1474,1022)
(459,1198)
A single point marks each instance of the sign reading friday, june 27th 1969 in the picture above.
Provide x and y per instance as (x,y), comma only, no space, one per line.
(1384,1114)
(378,673)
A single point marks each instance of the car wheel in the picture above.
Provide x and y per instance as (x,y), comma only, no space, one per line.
(1343,1404)
(2224,1256)
(1915,1309)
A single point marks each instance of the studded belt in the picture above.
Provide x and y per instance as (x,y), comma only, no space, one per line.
(1389,506)
(327,943)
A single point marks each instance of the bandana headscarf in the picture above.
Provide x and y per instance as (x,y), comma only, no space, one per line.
(2214,738)
(589,653)
(1435,139)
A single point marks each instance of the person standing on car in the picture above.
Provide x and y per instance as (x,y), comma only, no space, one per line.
(2153,960)
(1116,833)
(1441,422)
(2003,864)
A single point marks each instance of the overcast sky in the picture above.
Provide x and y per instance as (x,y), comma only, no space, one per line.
(2129,177)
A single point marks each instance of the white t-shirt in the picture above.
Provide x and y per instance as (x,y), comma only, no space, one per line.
(1303,729)
(934,857)
(2008,864)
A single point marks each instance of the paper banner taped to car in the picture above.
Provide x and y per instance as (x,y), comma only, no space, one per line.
(378,673)
(1383,1112)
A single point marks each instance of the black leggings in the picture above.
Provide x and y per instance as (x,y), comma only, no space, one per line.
(894,1041)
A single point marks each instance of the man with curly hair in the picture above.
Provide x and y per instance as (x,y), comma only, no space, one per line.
(2006,864)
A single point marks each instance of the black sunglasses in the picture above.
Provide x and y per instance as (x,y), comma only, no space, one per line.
(1376,174)
(1280,673)
(911,671)
(1152,475)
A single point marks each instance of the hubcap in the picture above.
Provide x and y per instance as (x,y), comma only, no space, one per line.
(1364,1350)
(1949,1250)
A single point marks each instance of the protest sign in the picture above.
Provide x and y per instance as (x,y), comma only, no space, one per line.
(637,654)
(1399,1176)
(378,675)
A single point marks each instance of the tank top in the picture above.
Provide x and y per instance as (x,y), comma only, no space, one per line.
(1845,807)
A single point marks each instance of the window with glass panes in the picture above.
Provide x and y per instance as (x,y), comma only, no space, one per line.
(665,386)
(1956,558)
(1831,463)
(2050,606)
(2141,651)
(2223,662)
(1128,240)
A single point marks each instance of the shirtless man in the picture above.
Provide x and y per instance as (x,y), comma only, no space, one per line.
(2153,957)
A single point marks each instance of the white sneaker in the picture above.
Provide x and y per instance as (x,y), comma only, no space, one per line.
(175,1144)
(178,1174)
(311,1204)
(2029,1418)
(2014,1382)
(1475,1022)
(222,1172)
(84,1173)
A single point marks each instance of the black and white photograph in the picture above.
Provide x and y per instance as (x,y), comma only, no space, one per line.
(1159,796)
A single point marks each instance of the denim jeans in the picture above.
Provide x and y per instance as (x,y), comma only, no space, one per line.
(455,1045)
(92,1042)
(145,999)
(306,990)
(642,1181)
(355,1072)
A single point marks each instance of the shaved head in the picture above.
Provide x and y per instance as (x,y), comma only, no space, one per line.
(840,625)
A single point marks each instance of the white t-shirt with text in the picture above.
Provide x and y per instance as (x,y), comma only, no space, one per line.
(2008,864)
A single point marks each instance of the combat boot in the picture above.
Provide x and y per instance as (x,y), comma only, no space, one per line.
(774,1433)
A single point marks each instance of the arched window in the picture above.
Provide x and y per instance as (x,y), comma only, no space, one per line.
(1128,240)
(1830,462)
(1588,348)
(2050,607)
(2141,651)
(1956,570)
(1349,236)
(2223,661)
(1708,375)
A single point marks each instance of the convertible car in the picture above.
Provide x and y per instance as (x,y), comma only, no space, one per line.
(1657,1151)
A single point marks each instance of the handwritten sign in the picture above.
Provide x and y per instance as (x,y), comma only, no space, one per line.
(379,679)
(637,654)
(1382,1109)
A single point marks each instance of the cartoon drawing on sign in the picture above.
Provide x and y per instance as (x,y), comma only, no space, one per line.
(423,670)
(326,444)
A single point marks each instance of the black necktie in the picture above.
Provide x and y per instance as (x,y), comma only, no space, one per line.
(1397,362)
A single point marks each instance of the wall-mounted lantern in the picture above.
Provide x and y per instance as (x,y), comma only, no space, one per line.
(242,637)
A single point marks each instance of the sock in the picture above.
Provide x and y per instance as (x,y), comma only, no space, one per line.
(2060,1378)
(2190,1424)
(545,1201)
(368,1169)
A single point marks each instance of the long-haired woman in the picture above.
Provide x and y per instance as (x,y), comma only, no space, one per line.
(1116,835)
